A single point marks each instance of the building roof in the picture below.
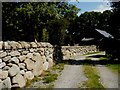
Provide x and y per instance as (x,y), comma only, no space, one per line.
(87,39)
(104,33)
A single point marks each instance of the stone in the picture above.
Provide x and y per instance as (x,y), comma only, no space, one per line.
(3,54)
(22,72)
(50,61)
(25,52)
(3,64)
(36,56)
(14,53)
(6,68)
(45,66)
(0,61)
(32,50)
(12,44)
(29,55)
(22,58)
(3,74)
(21,65)
(13,70)
(1,44)
(10,64)
(0,82)
(6,46)
(20,80)
(43,59)
(33,44)
(29,64)
(7,58)
(15,60)
(38,68)
(29,75)
(24,44)
(6,83)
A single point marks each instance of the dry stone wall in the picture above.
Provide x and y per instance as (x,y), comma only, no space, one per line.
(71,51)
(22,61)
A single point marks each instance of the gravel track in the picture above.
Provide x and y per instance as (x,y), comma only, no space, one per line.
(71,77)
(107,78)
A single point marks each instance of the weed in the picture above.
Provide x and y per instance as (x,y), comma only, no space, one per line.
(50,78)
(93,78)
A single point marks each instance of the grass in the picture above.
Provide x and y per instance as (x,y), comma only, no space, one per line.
(93,78)
(47,77)
(114,67)
(29,82)
(93,53)
(50,78)
(59,66)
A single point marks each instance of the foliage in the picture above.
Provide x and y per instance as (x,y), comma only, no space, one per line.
(41,21)
(93,78)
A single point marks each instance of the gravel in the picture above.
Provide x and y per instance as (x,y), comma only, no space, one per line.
(72,76)
(107,78)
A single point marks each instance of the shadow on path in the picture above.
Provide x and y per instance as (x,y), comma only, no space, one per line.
(92,62)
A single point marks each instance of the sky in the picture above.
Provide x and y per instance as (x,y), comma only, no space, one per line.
(92,6)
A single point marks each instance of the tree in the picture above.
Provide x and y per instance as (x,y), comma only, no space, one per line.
(27,21)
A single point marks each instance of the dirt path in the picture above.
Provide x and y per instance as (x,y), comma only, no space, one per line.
(71,77)
(107,78)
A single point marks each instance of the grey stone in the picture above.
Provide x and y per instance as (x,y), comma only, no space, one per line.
(14,53)
(25,52)
(43,59)
(3,64)
(21,65)
(24,44)
(10,64)
(29,64)
(45,66)
(20,80)
(3,74)
(15,60)
(14,70)
(6,68)
(3,54)
(7,58)
(1,85)
(33,44)
(50,61)
(31,50)
(36,56)
(29,75)
(6,46)
(38,68)
(18,45)
(12,44)
(6,83)
(0,61)
(29,55)
(0,81)
(1,44)
(22,58)
(22,72)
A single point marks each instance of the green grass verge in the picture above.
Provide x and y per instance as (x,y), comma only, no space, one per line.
(48,76)
(114,67)
(35,79)
(93,53)
(93,78)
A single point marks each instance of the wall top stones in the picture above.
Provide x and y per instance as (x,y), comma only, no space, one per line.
(22,44)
